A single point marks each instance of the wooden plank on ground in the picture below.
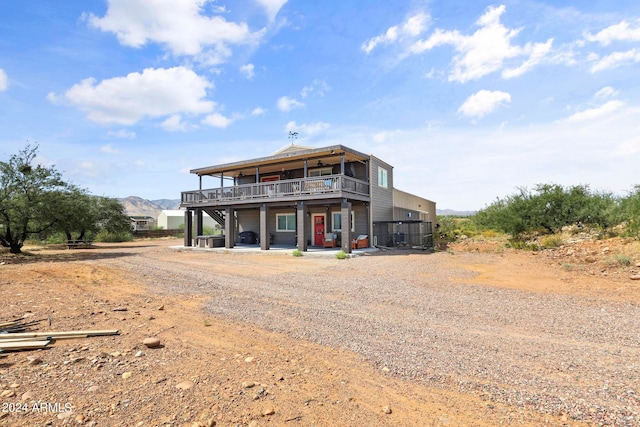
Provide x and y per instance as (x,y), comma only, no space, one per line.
(45,338)
(23,345)
(64,334)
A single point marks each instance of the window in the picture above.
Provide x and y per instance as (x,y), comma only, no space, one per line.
(382,177)
(285,222)
(321,172)
(336,221)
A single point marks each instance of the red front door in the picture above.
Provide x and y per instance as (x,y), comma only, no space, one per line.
(318,230)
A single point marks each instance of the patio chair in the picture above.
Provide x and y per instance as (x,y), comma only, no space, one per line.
(361,242)
(329,240)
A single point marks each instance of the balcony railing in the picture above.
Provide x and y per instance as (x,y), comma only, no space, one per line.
(303,188)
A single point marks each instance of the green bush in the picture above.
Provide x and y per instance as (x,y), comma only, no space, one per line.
(107,237)
(341,255)
(551,242)
(296,252)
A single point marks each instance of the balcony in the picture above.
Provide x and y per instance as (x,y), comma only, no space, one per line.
(325,187)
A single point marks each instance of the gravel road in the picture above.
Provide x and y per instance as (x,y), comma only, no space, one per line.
(415,316)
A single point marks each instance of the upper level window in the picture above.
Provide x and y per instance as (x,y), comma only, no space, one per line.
(382,177)
(321,172)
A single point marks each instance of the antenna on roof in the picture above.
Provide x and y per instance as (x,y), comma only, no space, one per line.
(292,136)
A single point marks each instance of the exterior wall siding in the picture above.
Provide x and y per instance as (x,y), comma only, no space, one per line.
(381,198)
(419,207)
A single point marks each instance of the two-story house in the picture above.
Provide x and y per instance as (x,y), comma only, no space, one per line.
(305,196)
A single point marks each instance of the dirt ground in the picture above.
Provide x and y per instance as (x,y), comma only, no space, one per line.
(211,371)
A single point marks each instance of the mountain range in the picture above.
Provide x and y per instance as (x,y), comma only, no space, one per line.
(137,206)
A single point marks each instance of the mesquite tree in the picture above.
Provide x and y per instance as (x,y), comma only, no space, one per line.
(28,195)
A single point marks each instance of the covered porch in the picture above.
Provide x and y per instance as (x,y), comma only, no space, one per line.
(301,196)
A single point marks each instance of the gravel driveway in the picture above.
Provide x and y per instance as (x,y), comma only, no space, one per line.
(415,316)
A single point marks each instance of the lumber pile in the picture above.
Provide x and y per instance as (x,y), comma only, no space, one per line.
(17,335)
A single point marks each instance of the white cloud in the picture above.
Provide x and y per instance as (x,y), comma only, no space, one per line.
(287,104)
(217,120)
(412,27)
(483,102)
(152,93)
(606,92)
(121,134)
(3,80)
(247,70)
(616,59)
(307,130)
(318,86)
(618,32)
(594,113)
(175,124)
(180,26)
(486,50)
(109,149)
(258,111)
(272,7)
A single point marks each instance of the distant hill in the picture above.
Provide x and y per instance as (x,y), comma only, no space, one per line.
(137,206)
(168,204)
(451,212)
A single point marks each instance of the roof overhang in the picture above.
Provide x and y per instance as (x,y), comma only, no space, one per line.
(285,160)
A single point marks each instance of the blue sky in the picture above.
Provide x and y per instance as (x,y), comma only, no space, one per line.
(468,100)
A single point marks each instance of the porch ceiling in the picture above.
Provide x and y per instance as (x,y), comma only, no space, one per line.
(286,160)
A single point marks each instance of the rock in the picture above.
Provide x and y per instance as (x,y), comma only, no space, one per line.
(139,354)
(33,360)
(65,415)
(386,410)
(248,384)
(120,309)
(185,385)
(116,354)
(93,388)
(161,307)
(151,342)
(249,359)
(635,277)
(28,395)
(7,393)
(127,375)
(268,411)
(80,419)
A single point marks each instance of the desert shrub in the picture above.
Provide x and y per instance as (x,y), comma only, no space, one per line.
(521,244)
(490,233)
(296,252)
(623,260)
(107,237)
(548,208)
(341,254)
(552,241)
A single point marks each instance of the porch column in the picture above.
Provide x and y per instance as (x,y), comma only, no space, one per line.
(346,226)
(342,164)
(199,226)
(229,228)
(301,218)
(188,228)
(265,243)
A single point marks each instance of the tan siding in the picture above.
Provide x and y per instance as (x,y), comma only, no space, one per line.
(420,208)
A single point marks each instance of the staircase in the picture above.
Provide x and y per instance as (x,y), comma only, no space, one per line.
(217,215)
